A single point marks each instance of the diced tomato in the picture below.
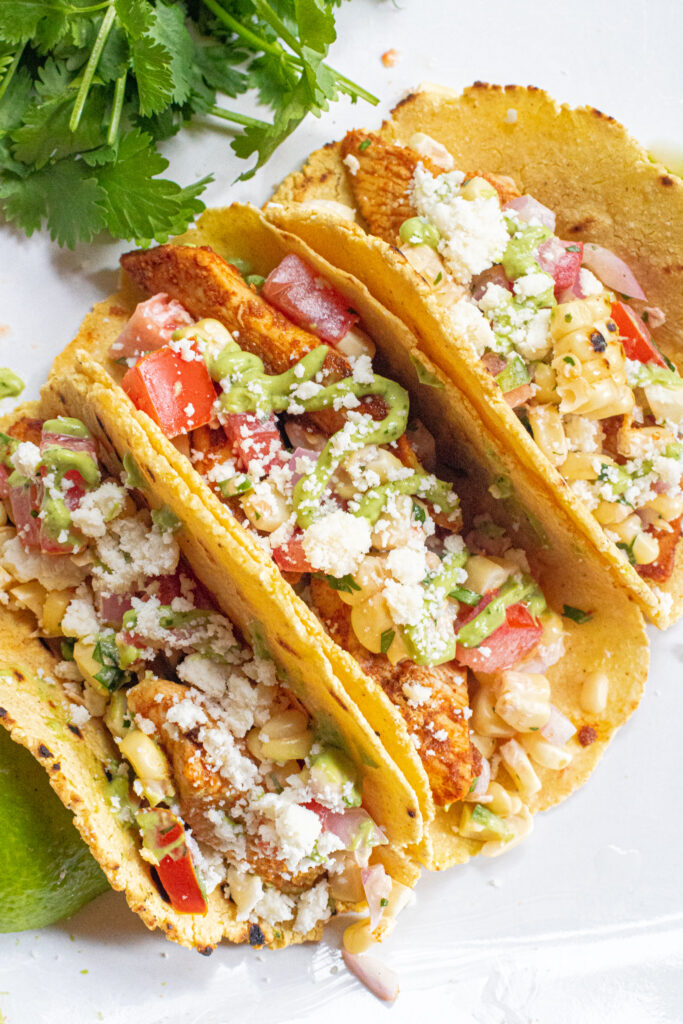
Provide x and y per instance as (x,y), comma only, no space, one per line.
(74,444)
(307,299)
(177,393)
(291,557)
(254,439)
(635,336)
(25,505)
(518,635)
(112,607)
(562,260)
(162,830)
(177,585)
(150,327)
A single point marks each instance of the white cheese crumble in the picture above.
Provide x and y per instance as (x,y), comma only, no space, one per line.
(589,284)
(473,232)
(352,162)
(78,715)
(313,908)
(80,618)
(26,458)
(533,284)
(337,543)
(97,508)
(55,572)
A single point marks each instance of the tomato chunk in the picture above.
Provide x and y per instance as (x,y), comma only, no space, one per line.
(517,636)
(635,336)
(25,504)
(562,260)
(307,299)
(150,327)
(178,394)
(254,440)
(291,557)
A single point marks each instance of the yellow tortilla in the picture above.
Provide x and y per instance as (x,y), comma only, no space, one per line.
(603,187)
(35,709)
(568,568)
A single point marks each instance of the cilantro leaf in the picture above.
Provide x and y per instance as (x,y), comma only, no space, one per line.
(136,17)
(45,134)
(19,19)
(151,64)
(169,30)
(41,196)
(141,206)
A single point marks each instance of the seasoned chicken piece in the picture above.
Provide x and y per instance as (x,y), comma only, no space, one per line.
(208,447)
(26,429)
(661,569)
(447,759)
(382,182)
(200,788)
(208,286)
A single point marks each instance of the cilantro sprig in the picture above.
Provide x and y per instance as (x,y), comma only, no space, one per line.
(88,90)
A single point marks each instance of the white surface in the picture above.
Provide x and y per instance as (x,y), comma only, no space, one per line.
(583,922)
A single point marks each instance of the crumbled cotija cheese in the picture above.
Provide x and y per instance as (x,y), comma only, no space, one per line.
(337,543)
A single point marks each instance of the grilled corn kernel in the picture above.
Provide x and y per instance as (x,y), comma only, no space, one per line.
(370,621)
(89,668)
(369,579)
(519,768)
(546,384)
(628,529)
(484,574)
(347,884)
(54,610)
(485,721)
(370,463)
(645,549)
(594,693)
(285,736)
(668,506)
(609,512)
(570,316)
(478,188)
(30,595)
(522,699)
(501,801)
(544,753)
(265,507)
(149,764)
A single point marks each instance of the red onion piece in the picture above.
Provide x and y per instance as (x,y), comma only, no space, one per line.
(112,607)
(301,453)
(558,730)
(527,207)
(305,437)
(611,270)
(483,779)
(376,976)
(150,327)
(349,825)
(492,275)
(377,886)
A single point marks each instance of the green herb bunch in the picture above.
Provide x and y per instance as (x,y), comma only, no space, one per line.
(88,89)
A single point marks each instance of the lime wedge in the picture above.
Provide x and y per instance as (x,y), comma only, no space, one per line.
(46,870)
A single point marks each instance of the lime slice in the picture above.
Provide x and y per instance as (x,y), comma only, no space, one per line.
(46,870)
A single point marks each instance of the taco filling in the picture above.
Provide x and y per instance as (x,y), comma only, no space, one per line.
(562,326)
(321,461)
(220,770)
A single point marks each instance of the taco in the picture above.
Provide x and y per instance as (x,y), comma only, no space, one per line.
(226,794)
(519,239)
(444,625)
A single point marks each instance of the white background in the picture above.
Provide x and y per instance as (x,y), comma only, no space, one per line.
(583,923)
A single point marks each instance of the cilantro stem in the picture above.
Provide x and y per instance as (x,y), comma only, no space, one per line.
(352,89)
(269,15)
(90,68)
(9,74)
(258,42)
(117,107)
(230,115)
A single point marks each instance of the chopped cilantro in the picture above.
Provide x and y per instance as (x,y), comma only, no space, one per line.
(67,649)
(438,278)
(465,596)
(570,360)
(346,584)
(364,145)
(106,654)
(419,514)
(576,614)
(386,640)
(256,280)
(567,318)
(628,549)
(573,248)
(384,902)
(645,316)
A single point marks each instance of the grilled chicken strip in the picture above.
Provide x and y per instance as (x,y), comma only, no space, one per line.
(208,286)
(447,759)
(382,182)
(200,787)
